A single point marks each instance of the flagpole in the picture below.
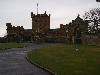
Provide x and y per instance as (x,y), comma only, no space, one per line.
(37,8)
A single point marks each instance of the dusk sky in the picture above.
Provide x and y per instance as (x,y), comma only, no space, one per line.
(18,12)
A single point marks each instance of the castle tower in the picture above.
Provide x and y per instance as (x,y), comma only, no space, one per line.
(40,23)
(9,27)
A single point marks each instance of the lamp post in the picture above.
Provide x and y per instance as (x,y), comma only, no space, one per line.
(77,39)
(67,35)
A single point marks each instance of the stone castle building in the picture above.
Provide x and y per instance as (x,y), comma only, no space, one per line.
(74,32)
(18,34)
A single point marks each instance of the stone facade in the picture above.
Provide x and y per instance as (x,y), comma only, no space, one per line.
(74,32)
(18,33)
(90,39)
(40,24)
(76,29)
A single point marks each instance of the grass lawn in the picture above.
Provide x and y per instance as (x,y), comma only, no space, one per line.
(64,60)
(10,45)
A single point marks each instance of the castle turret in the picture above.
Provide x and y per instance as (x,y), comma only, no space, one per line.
(8,25)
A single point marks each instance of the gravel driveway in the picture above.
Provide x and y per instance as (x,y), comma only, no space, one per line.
(13,62)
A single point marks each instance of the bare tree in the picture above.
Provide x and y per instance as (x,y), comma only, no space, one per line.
(97,0)
(93,18)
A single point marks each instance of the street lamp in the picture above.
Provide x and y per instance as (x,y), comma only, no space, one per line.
(67,35)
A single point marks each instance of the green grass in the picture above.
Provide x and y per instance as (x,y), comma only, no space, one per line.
(64,60)
(10,45)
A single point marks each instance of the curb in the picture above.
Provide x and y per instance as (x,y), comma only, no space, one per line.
(52,73)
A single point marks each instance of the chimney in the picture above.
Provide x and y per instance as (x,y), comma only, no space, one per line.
(45,12)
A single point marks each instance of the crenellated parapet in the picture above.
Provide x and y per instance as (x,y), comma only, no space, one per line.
(14,30)
(39,15)
(18,33)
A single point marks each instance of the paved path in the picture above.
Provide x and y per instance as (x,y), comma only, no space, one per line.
(13,62)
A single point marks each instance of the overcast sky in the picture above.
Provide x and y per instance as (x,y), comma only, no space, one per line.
(62,11)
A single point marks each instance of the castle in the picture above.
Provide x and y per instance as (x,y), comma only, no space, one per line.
(40,27)
(74,32)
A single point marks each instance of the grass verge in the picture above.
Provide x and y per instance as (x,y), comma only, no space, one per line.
(10,45)
(65,60)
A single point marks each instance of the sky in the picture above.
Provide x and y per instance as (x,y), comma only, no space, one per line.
(18,12)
